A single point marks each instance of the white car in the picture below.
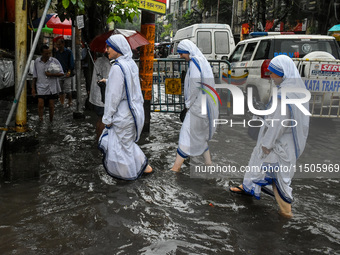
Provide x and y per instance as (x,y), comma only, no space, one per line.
(250,59)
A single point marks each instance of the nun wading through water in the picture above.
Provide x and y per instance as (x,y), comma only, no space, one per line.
(278,147)
(123,115)
(198,126)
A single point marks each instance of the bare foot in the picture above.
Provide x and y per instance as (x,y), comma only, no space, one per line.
(287,215)
(148,169)
(175,170)
(236,189)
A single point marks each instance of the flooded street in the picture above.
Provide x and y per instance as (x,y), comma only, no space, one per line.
(75,208)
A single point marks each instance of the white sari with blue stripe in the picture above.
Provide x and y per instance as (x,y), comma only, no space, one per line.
(122,157)
(197,128)
(286,143)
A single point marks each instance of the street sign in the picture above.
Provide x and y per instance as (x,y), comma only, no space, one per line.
(173,86)
(155,6)
(80,21)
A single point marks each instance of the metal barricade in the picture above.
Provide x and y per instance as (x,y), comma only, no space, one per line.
(325,105)
(168,82)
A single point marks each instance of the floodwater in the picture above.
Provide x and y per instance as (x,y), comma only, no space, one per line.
(75,208)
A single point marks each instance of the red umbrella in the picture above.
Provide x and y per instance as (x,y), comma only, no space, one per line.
(55,22)
(134,38)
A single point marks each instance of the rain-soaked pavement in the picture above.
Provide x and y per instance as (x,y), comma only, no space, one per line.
(75,208)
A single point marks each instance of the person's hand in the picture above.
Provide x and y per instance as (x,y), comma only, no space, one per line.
(265,150)
(33,93)
(102,80)
(48,73)
(68,74)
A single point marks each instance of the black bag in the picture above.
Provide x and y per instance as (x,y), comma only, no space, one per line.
(102,86)
(182,114)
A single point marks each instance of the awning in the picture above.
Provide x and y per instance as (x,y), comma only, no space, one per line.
(335,28)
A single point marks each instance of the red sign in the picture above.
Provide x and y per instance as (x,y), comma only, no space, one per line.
(330,68)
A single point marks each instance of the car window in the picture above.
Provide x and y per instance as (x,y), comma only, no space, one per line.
(204,41)
(249,51)
(236,56)
(263,50)
(221,42)
(298,48)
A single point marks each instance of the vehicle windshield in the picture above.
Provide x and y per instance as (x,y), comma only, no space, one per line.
(298,48)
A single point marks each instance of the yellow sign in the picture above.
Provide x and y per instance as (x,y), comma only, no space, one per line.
(153,6)
(173,86)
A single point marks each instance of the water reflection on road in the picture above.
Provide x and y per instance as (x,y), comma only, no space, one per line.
(75,208)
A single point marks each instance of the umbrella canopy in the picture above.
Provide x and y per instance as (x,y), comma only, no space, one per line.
(55,22)
(134,38)
(36,22)
(52,24)
(335,28)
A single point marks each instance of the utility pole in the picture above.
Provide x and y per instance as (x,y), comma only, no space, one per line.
(146,63)
(20,62)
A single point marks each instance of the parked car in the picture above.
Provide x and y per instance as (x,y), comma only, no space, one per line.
(250,60)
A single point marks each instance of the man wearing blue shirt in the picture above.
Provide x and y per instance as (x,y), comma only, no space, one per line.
(65,57)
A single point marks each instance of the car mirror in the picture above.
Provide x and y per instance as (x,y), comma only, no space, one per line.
(225,58)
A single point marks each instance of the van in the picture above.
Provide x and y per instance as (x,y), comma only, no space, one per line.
(215,41)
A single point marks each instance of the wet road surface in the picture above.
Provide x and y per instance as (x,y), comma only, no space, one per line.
(75,208)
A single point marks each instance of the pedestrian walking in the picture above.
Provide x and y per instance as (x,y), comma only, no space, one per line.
(65,57)
(278,147)
(100,73)
(123,115)
(198,127)
(45,84)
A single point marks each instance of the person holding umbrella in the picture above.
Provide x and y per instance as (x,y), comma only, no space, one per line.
(123,115)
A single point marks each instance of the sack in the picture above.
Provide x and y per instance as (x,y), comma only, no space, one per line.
(183,114)
(53,68)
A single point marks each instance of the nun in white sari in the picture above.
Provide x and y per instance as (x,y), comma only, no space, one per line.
(278,146)
(123,115)
(198,127)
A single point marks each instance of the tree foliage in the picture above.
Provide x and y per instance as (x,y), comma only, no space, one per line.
(98,13)
(190,18)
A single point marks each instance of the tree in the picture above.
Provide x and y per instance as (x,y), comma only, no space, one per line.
(163,31)
(167,31)
(190,18)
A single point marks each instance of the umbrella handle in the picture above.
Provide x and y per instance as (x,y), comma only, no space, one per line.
(89,52)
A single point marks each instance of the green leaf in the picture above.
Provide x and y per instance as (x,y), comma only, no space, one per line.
(117,19)
(109,19)
(66,3)
(74,2)
(81,4)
